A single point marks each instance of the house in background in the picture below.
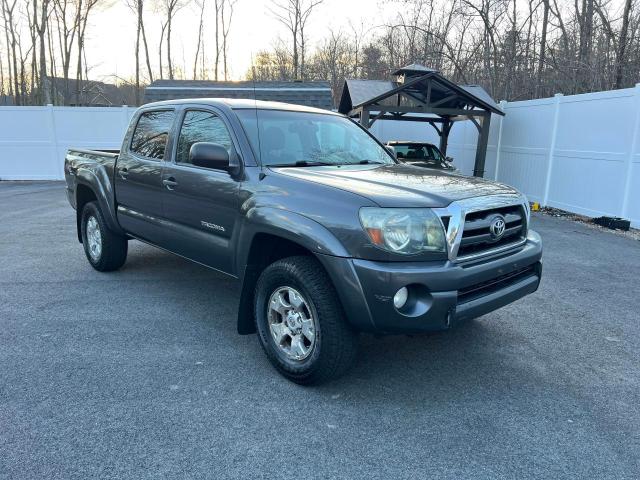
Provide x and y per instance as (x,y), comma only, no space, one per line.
(91,93)
(310,94)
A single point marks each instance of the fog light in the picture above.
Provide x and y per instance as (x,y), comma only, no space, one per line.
(400,298)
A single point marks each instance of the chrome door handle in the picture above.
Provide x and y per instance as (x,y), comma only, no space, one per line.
(123,172)
(170,183)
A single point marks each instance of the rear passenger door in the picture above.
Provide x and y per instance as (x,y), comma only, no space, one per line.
(200,204)
(138,175)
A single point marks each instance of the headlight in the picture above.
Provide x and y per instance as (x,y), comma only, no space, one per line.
(404,230)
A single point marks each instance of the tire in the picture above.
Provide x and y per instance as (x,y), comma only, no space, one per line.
(111,252)
(302,281)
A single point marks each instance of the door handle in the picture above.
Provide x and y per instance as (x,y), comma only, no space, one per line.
(123,172)
(170,183)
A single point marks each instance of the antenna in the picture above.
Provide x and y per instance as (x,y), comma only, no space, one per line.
(255,104)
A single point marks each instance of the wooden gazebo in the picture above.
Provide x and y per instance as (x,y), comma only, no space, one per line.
(421,94)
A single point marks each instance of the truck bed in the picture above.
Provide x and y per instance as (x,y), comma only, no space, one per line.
(80,163)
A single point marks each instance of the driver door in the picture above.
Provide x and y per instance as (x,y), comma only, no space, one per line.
(200,204)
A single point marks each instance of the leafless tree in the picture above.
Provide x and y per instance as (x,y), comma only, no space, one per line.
(226,16)
(137,7)
(200,4)
(515,49)
(217,5)
(66,29)
(163,29)
(622,44)
(8,15)
(83,11)
(294,15)
(169,9)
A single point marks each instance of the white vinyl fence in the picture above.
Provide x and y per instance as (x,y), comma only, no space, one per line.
(580,153)
(34,140)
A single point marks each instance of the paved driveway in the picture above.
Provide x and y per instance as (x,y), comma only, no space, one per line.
(140,373)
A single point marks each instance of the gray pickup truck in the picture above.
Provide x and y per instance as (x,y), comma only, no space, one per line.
(326,233)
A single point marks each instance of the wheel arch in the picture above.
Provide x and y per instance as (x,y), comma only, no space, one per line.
(264,249)
(287,234)
(90,187)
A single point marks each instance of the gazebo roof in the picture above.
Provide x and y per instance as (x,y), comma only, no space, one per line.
(413,68)
(419,87)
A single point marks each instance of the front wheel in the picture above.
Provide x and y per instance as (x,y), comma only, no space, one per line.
(105,249)
(300,322)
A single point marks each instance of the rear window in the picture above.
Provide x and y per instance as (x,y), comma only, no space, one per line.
(151,134)
(424,154)
(416,152)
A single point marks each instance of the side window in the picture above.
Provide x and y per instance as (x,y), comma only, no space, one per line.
(151,134)
(434,153)
(201,126)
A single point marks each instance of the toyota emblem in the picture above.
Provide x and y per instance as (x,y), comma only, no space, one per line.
(496,228)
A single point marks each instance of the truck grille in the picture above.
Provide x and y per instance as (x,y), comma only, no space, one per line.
(477,238)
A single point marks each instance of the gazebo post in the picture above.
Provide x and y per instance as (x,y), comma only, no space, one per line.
(481,149)
(364,118)
(444,135)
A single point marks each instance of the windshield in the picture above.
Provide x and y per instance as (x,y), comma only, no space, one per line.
(304,139)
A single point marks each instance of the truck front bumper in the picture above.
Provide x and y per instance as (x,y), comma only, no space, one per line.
(441,294)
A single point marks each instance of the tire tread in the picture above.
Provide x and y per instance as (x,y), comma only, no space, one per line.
(114,246)
(338,340)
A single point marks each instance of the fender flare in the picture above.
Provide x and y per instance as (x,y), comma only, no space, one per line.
(99,183)
(288,225)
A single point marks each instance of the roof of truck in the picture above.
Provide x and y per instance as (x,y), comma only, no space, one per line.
(243,103)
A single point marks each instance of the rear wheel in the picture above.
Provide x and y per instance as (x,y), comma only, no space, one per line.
(105,249)
(300,322)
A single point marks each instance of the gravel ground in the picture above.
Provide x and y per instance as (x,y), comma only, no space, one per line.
(140,373)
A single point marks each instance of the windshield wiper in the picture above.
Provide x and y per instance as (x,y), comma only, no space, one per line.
(370,162)
(364,162)
(301,163)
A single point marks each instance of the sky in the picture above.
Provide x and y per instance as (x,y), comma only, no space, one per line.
(111,38)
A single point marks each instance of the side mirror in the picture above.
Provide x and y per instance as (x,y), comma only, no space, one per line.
(209,155)
(449,159)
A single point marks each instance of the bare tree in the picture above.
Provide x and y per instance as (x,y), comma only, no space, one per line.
(67,27)
(137,7)
(163,29)
(8,15)
(226,15)
(83,10)
(217,4)
(201,5)
(169,9)
(622,44)
(294,15)
(41,30)
(515,49)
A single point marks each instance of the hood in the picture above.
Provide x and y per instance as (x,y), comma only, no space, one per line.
(399,185)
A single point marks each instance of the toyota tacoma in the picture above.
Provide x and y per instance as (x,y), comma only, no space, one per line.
(326,233)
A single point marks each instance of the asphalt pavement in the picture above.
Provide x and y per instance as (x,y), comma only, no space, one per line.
(140,373)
